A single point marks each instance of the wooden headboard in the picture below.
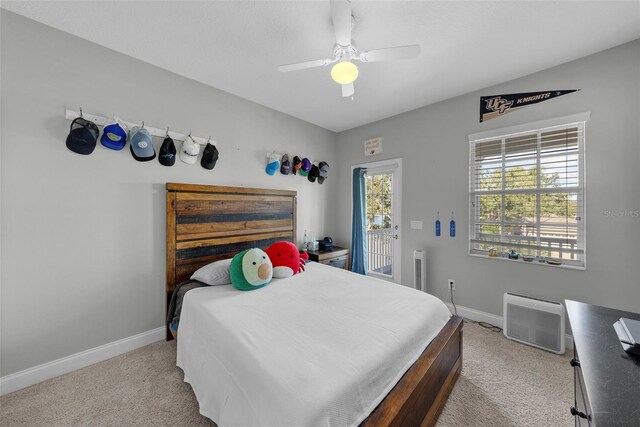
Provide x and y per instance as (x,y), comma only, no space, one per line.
(206,223)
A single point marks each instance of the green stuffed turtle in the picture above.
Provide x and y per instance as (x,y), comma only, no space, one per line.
(251,269)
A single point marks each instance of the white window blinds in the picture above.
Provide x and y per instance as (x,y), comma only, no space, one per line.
(526,193)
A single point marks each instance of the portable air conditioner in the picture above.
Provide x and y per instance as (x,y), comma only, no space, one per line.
(534,321)
(420,270)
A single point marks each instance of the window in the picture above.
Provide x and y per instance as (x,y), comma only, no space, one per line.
(379,188)
(526,193)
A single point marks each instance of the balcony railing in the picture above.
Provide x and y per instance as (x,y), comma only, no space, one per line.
(552,247)
(380,250)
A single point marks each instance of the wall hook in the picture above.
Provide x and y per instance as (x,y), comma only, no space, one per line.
(78,113)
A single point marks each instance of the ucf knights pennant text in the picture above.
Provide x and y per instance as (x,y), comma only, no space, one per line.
(498,105)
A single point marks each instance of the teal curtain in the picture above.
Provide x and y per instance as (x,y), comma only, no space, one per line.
(359,262)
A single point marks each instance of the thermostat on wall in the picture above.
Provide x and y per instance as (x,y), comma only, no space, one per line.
(416,225)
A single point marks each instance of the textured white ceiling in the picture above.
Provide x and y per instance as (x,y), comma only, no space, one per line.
(236,46)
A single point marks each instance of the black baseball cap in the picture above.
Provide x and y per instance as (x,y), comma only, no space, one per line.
(82,136)
(297,164)
(167,155)
(209,156)
(314,172)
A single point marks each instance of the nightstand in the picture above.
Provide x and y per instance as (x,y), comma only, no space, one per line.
(337,257)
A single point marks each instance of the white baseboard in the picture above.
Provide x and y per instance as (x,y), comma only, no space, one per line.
(481,316)
(27,377)
(476,315)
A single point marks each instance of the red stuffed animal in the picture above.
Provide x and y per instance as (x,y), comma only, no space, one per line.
(285,259)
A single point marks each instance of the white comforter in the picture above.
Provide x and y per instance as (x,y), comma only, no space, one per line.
(322,348)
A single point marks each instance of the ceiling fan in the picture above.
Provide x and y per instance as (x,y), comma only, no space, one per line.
(345,72)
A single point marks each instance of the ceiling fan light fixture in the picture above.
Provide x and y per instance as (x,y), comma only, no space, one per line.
(344,72)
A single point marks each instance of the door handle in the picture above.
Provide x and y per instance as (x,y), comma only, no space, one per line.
(396,227)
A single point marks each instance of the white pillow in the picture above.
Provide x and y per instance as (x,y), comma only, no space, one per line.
(216,273)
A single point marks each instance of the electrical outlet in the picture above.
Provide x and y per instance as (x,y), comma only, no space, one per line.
(452,284)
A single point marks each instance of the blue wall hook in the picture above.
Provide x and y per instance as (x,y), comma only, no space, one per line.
(452,226)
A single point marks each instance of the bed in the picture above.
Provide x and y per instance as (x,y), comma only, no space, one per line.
(255,358)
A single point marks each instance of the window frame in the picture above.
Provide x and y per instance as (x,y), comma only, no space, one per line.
(538,128)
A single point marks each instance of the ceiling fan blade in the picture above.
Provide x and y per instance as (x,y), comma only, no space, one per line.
(391,53)
(341,16)
(303,65)
(348,90)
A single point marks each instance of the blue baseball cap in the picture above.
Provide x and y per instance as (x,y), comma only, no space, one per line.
(114,136)
(141,144)
(273,164)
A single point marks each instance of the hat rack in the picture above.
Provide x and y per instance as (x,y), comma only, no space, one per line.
(313,162)
(162,133)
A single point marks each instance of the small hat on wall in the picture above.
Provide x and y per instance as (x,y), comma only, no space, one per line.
(114,136)
(189,151)
(209,156)
(324,172)
(273,164)
(306,167)
(82,136)
(297,164)
(314,172)
(167,155)
(141,144)
(285,168)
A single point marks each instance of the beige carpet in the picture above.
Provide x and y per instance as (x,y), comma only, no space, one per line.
(502,384)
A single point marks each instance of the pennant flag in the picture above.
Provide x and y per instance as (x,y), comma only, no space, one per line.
(498,105)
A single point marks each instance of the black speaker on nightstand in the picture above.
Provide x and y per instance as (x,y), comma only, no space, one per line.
(326,244)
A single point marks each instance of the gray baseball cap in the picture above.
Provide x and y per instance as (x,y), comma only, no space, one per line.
(324,172)
(141,144)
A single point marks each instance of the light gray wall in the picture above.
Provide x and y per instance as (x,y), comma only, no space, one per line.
(83,237)
(432,141)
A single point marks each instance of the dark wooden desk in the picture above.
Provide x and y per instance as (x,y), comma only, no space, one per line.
(607,379)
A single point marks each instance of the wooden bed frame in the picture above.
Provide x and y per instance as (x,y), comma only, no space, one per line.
(207,223)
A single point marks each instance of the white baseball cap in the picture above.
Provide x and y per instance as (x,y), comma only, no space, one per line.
(189,151)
